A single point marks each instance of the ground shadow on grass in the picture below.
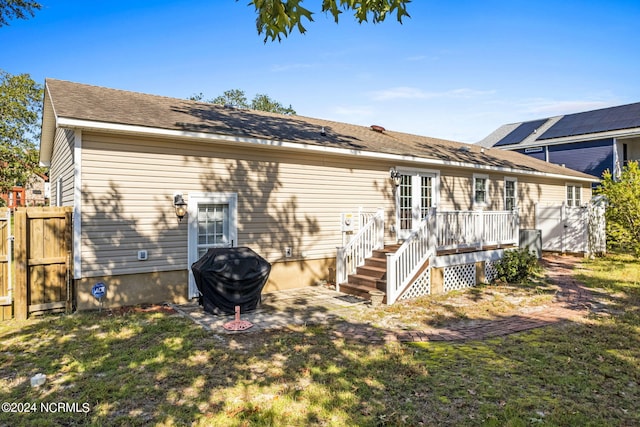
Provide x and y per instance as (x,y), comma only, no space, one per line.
(140,369)
(156,368)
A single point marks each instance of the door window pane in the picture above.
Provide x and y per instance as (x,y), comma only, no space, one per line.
(213,226)
(426,200)
(406,203)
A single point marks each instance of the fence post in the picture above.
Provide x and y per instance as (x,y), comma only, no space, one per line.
(68,246)
(20,302)
(9,257)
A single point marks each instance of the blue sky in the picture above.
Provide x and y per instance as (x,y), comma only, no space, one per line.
(454,70)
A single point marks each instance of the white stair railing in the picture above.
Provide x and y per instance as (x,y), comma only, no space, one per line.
(361,246)
(405,263)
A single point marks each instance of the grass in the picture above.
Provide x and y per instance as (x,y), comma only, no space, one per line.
(160,369)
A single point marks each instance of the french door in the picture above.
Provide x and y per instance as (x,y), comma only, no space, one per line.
(212,224)
(416,194)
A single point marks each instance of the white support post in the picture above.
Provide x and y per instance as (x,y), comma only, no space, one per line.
(340,267)
(516,226)
(391,280)
(480,228)
(433,229)
(380,228)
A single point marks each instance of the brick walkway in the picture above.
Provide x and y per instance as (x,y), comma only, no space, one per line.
(310,306)
(572,302)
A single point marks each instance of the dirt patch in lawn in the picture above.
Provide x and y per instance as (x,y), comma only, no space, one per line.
(141,308)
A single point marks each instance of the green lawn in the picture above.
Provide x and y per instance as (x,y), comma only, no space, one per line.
(160,369)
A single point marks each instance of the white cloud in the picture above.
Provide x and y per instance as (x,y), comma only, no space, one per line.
(549,107)
(407,92)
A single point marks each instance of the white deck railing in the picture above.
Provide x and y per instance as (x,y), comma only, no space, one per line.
(476,228)
(405,263)
(437,231)
(361,246)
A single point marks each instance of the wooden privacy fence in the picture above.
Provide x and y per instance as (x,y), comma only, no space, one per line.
(5,266)
(42,254)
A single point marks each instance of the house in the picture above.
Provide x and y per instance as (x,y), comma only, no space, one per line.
(292,188)
(34,193)
(590,142)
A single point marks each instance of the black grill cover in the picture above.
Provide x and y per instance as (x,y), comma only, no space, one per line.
(227,277)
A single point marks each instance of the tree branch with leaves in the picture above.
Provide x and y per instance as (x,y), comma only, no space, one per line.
(17,9)
(277,18)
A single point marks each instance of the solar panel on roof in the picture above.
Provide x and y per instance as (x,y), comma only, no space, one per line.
(606,119)
(520,133)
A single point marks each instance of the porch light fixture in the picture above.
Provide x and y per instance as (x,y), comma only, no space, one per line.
(395,176)
(180,205)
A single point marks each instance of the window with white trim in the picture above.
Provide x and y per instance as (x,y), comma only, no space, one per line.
(59,192)
(574,195)
(510,193)
(480,189)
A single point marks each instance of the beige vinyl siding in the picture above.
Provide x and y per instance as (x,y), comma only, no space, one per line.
(62,166)
(285,199)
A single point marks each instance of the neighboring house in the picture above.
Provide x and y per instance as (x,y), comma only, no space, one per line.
(34,193)
(590,142)
(286,186)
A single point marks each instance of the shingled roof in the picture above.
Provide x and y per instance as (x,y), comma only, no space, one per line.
(86,106)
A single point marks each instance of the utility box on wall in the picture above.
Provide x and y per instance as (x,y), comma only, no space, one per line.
(347,222)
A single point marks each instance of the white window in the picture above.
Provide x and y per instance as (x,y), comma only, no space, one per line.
(59,192)
(574,196)
(510,193)
(480,190)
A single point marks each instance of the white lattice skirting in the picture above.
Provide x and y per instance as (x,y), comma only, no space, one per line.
(459,277)
(422,286)
(490,271)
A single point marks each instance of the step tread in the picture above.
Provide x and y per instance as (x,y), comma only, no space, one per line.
(372,270)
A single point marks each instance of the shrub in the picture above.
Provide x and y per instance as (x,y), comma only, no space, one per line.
(623,211)
(516,265)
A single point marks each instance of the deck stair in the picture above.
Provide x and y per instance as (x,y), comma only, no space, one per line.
(372,275)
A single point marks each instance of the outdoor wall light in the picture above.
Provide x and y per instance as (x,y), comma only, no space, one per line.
(395,176)
(180,205)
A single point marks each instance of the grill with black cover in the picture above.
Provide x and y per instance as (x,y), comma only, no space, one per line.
(227,277)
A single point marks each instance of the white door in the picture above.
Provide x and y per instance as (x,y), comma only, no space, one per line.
(415,195)
(212,224)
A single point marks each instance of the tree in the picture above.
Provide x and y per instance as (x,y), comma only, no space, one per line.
(623,206)
(238,99)
(20,107)
(17,9)
(279,17)
(264,103)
